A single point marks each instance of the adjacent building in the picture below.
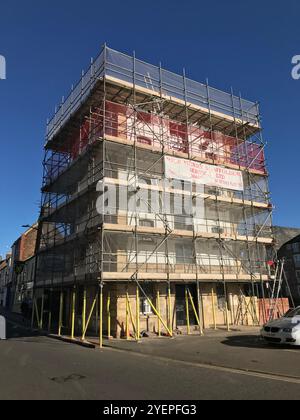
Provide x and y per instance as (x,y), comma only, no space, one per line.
(17,271)
(283,234)
(155,193)
(5,281)
(290,252)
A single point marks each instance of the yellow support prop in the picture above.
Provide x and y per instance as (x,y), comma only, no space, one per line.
(84,310)
(73,314)
(101,318)
(160,318)
(42,313)
(170,310)
(158,309)
(138,332)
(187,309)
(61,303)
(233,311)
(214,308)
(108,316)
(195,312)
(89,318)
(97,313)
(227,316)
(255,316)
(200,313)
(49,320)
(127,320)
(131,315)
(33,312)
(37,314)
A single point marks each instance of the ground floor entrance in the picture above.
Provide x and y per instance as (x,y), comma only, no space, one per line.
(184,310)
(130,310)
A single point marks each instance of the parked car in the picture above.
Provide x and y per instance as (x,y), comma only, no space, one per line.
(285,330)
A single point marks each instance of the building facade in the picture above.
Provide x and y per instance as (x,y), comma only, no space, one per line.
(284,234)
(5,281)
(156,210)
(22,271)
(290,252)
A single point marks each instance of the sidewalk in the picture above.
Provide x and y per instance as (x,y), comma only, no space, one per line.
(242,349)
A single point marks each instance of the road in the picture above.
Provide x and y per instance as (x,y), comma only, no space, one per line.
(37,367)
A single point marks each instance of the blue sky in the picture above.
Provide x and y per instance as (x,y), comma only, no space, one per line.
(247,45)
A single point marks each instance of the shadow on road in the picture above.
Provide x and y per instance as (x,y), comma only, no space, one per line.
(251,341)
(17,327)
(14,332)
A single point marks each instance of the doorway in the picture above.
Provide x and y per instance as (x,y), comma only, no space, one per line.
(181,319)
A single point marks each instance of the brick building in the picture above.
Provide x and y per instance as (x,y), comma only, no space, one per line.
(22,268)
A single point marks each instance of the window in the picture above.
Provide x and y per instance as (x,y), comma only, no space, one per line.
(178,130)
(298,275)
(144,140)
(296,247)
(145,307)
(146,223)
(184,253)
(144,117)
(297,260)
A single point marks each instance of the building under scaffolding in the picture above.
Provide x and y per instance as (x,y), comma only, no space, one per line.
(156,212)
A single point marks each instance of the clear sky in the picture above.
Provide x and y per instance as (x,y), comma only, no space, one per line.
(247,45)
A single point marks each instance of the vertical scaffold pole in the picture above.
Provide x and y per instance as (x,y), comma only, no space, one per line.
(101,316)
(49,321)
(97,313)
(187,309)
(200,313)
(73,313)
(33,312)
(84,311)
(61,304)
(127,319)
(158,310)
(37,313)
(170,308)
(42,312)
(213,308)
(50,312)
(227,316)
(138,332)
(108,316)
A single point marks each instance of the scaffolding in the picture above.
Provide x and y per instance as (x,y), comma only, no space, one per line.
(112,212)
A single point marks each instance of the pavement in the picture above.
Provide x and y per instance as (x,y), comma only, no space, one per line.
(242,349)
(221,365)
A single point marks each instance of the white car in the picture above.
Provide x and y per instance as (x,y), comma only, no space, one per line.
(285,330)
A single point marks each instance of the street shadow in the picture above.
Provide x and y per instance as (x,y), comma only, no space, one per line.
(252,341)
(15,332)
(18,326)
